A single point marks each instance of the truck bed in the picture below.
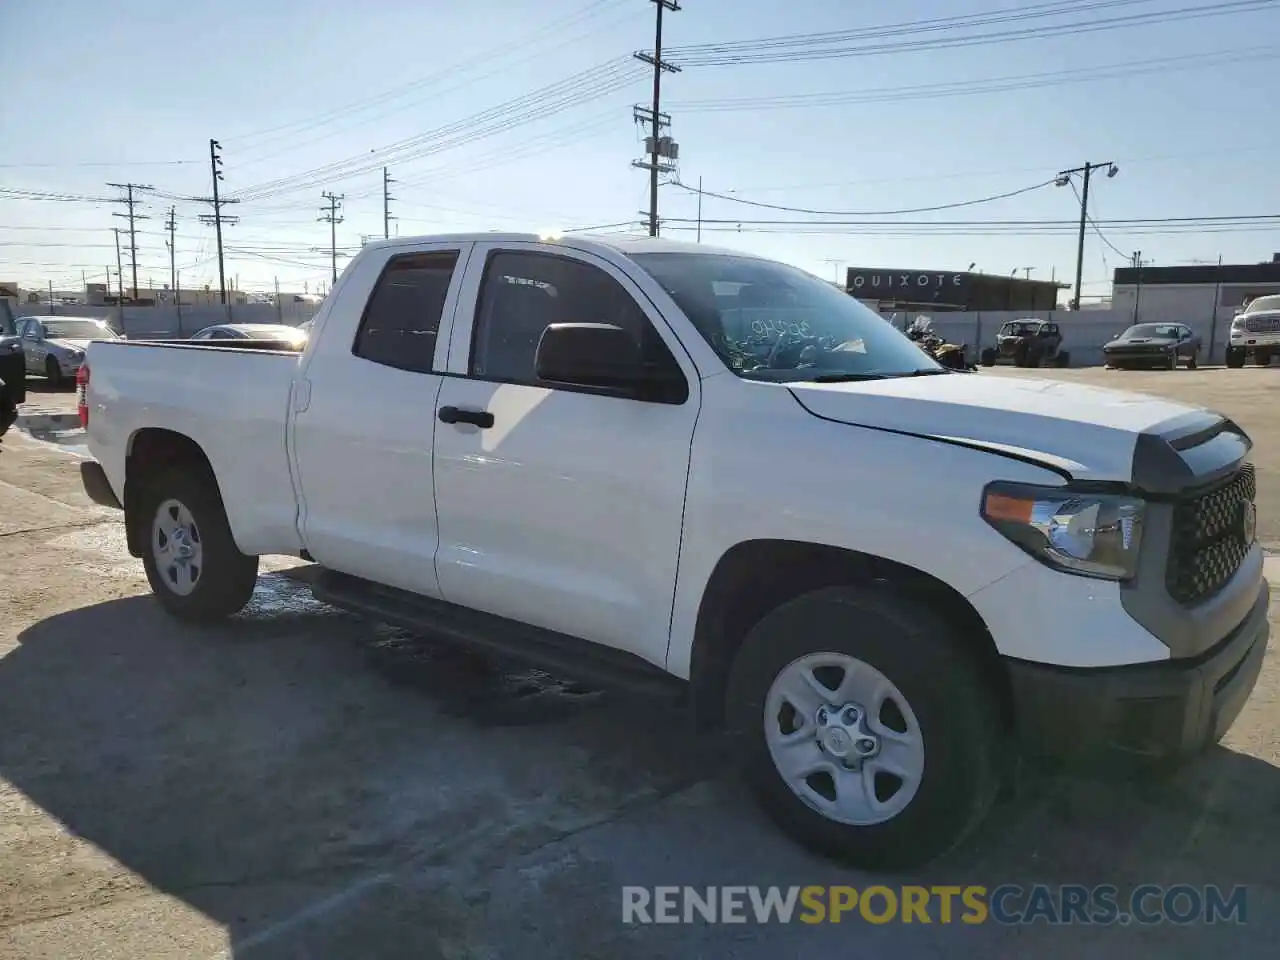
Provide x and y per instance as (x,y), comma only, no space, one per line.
(230,400)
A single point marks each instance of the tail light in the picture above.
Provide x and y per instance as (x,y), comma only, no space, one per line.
(82,394)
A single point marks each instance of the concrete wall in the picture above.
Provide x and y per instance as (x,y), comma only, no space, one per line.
(1083,332)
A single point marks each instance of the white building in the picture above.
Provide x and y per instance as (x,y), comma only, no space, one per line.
(1196,295)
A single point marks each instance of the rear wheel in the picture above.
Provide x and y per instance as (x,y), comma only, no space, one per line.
(53,372)
(193,564)
(1262,358)
(867,731)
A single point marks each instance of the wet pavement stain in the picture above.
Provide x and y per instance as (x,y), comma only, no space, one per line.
(473,686)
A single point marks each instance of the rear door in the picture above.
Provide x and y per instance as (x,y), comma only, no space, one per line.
(565,510)
(364,417)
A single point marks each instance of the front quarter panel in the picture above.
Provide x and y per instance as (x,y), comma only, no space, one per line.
(763,468)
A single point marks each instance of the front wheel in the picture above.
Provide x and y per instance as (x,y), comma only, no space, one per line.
(988,357)
(1192,362)
(1235,357)
(867,732)
(193,565)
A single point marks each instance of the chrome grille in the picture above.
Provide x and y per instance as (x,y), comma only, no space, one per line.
(1262,324)
(1210,539)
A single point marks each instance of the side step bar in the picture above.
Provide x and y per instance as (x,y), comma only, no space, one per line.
(568,657)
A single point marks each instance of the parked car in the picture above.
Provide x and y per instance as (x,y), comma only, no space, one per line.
(1255,331)
(887,579)
(256,335)
(54,346)
(1153,345)
(1027,343)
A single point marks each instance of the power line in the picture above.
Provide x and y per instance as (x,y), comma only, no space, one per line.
(810,47)
(460,71)
(1093,223)
(989,85)
(862,213)
(580,88)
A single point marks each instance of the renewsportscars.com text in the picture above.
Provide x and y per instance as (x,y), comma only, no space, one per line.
(1009,904)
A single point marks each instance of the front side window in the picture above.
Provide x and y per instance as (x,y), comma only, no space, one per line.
(770,321)
(524,293)
(402,319)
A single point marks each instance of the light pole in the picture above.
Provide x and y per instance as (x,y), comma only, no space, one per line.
(1063,179)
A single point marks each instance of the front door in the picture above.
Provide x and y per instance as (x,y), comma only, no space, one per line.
(365,417)
(561,508)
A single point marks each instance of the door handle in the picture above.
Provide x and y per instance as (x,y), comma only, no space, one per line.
(480,418)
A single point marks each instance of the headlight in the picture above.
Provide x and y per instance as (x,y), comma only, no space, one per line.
(1094,535)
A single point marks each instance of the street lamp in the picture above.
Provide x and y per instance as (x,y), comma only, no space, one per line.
(1062,180)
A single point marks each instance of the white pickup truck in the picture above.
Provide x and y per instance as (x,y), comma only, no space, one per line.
(706,474)
(1255,332)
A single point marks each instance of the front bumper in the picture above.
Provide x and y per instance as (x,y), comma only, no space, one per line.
(1138,355)
(1140,713)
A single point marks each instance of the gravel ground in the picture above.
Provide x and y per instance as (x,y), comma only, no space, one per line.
(299,783)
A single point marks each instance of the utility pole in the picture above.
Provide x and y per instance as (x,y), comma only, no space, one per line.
(1137,263)
(699,210)
(120,280)
(662,151)
(279,308)
(386,204)
(329,215)
(130,201)
(172,226)
(218,218)
(1062,180)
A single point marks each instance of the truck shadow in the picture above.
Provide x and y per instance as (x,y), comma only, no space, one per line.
(262,768)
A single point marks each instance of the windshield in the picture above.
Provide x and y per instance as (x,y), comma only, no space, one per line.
(1162,331)
(1018,328)
(770,321)
(77,330)
(1263,303)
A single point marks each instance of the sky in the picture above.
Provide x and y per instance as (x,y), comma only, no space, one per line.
(518,116)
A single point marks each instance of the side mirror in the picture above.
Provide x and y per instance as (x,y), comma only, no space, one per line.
(589,355)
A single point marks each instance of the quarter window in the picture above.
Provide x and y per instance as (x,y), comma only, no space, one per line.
(402,320)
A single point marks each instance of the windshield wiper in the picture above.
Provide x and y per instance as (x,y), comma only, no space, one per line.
(854,377)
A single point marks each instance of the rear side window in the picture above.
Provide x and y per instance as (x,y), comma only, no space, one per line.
(402,319)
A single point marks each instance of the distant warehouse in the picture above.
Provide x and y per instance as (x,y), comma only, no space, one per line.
(933,291)
(1195,293)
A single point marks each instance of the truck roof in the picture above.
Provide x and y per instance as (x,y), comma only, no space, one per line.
(626,245)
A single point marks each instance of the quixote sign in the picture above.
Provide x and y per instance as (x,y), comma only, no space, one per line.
(904,281)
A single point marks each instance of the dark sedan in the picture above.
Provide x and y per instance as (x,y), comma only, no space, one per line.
(1159,345)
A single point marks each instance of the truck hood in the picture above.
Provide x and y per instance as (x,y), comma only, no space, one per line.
(1083,432)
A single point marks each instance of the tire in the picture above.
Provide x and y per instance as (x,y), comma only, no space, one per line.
(224,578)
(1063,359)
(948,706)
(988,357)
(1172,363)
(53,373)
(1235,358)
(1262,358)
(1192,362)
